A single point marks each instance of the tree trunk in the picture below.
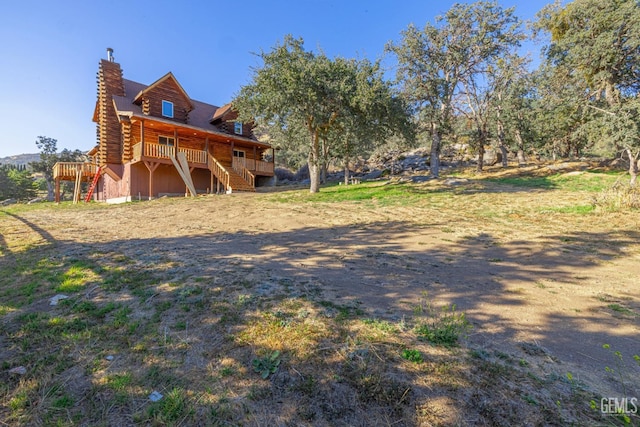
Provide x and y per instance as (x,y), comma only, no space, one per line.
(324,161)
(346,160)
(434,161)
(314,163)
(346,170)
(480,158)
(633,166)
(521,158)
(481,143)
(49,191)
(314,176)
(503,147)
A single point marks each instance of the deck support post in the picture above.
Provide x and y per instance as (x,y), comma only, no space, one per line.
(152,166)
(57,190)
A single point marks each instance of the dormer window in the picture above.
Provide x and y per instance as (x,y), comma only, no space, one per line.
(167,109)
(237,128)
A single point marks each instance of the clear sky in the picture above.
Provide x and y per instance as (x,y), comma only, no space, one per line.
(49,50)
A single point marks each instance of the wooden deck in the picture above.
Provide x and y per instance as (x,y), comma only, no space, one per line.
(68,171)
(195,158)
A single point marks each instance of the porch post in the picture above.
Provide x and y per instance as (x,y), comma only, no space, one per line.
(175,139)
(255,159)
(152,166)
(142,138)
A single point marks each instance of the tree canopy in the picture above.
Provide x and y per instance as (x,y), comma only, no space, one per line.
(595,51)
(296,88)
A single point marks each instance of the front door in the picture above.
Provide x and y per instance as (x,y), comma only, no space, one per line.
(239,157)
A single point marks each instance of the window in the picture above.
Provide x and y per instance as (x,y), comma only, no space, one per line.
(237,128)
(166,147)
(166,140)
(167,108)
(238,153)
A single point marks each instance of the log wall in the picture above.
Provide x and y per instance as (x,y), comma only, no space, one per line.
(227,125)
(166,90)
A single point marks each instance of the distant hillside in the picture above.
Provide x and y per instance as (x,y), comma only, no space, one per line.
(20,159)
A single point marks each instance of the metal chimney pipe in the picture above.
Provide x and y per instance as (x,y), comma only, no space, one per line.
(110,54)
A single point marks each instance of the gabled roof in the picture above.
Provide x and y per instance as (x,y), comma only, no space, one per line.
(153,85)
(200,117)
(221,112)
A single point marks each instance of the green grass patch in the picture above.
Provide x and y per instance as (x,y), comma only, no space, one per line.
(585,181)
(76,277)
(577,209)
(444,327)
(383,193)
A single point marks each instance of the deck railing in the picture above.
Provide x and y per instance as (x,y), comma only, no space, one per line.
(72,169)
(161,151)
(219,171)
(194,156)
(263,166)
(252,165)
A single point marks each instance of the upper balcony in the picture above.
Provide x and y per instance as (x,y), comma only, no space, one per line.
(195,158)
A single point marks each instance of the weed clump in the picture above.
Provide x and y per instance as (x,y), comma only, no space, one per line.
(444,327)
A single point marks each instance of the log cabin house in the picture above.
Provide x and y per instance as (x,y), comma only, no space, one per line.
(145,130)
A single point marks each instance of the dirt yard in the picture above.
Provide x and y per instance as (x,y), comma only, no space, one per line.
(544,285)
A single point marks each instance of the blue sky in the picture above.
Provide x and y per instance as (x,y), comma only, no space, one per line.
(49,50)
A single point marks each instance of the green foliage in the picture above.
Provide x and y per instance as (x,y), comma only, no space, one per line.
(16,183)
(330,100)
(267,365)
(441,68)
(592,75)
(414,356)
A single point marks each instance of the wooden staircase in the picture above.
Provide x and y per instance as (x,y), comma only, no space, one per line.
(230,179)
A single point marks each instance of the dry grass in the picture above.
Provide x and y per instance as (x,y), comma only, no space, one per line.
(182,298)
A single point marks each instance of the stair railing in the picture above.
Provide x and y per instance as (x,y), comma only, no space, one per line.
(219,171)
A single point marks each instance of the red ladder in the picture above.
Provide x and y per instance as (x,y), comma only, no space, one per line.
(96,177)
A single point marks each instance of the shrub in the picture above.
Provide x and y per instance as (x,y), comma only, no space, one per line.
(284,174)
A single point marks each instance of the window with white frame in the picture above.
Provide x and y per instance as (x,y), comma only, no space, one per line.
(166,140)
(167,108)
(237,128)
